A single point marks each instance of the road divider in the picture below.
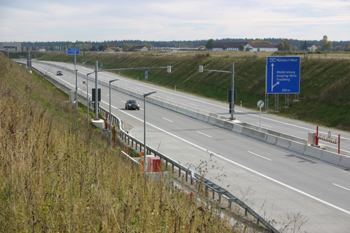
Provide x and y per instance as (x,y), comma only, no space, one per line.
(282,140)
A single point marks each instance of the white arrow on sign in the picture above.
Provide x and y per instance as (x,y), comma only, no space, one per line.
(272,86)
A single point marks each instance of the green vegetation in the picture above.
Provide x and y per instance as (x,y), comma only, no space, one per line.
(325,80)
(58,175)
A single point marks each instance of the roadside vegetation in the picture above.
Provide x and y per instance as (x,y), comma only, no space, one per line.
(58,175)
(325,79)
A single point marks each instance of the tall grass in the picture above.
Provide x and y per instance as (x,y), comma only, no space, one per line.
(57,175)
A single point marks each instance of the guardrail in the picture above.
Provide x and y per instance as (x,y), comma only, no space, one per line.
(182,171)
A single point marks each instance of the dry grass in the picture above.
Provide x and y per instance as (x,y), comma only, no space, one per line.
(58,176)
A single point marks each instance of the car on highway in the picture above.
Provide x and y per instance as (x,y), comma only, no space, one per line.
(59,73)
(132,104)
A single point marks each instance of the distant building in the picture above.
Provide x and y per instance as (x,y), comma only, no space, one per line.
(228,46)
(311,47)
(10,46)
(141,48)
(42,50)
(257,47)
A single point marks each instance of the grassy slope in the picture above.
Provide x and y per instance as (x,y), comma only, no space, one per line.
(58,175)
(324,82)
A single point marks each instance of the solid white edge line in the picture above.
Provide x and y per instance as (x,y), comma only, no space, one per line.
(204,134)
(259,156)
(168,120)
(242,166)
(246,168)
(341,186)
(225,108)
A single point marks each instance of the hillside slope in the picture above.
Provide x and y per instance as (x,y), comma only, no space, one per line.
(324,81)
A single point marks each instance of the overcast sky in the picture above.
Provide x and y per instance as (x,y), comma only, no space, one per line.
(159,20)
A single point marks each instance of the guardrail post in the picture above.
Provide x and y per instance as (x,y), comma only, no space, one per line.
(213,193)
(245,211)
(186,176)
(219,198)
(179,172)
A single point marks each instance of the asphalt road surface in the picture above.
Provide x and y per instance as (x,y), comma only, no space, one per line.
(278,184)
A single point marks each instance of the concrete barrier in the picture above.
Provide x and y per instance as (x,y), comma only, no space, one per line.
(271,139)
(182,110)
(219,122)
(330,157)
(202,117)
(211,120)
(254,134)
(192,113)
(228,125)
(297,147)
(313,151)
(344,161)
(282,142)
(237,128)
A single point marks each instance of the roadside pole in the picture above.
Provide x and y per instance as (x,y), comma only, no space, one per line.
(76,80)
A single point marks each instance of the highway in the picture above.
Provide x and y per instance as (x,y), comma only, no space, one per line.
(276,183)
(272,122)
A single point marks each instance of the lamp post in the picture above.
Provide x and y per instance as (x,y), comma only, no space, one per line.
(110,128)
(144,127)
(76,80)
(87,95)
(232,72)
(139,68)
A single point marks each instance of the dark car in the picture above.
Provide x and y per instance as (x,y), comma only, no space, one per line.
(59,73)
(132,104)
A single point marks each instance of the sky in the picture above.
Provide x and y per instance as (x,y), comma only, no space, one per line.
(164,20)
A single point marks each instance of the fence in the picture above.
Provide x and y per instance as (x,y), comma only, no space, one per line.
(176,168)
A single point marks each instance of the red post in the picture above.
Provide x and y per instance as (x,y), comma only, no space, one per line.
(106,120)
(339,144)
(191,195)
(317,136)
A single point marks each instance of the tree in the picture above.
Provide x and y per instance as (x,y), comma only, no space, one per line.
(101,47)
(339,48)
(210,44)
(93,48)
(47,48)
(326,45)
(280,46)
(303,46)
(241,47)
(287,45)
(347,48)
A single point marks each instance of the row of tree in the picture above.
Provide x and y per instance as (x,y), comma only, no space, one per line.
(286,45)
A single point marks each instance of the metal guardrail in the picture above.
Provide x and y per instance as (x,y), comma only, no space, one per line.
(181,170)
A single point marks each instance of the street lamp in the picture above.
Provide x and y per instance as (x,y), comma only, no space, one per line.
(232,107)
(87,95)
(110,129)
(139,68)
(144,127)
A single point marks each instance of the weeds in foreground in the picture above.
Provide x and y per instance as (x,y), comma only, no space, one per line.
(56,176)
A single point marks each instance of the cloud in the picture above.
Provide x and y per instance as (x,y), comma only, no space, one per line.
(172,20)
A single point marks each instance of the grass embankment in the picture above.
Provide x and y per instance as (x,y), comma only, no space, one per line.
(324,81)
(58,175)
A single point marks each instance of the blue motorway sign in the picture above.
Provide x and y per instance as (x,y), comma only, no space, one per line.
(101,64)
(146,74)
(283,75)
(73,51)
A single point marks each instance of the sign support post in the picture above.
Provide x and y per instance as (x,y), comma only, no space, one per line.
(282,77)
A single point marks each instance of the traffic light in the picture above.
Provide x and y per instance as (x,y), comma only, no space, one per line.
(99,94)
(229,96)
